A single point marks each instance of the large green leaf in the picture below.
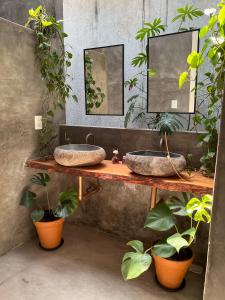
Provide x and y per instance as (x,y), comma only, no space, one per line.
(177,241)
(136,245)
(37,215)
(194,59)
(134,264)
(160,218)
(163,250)
(182,79)
(68,203)
(178,206)
(204,30)
(221,16)
(28,199)
(200,210)
(40,179)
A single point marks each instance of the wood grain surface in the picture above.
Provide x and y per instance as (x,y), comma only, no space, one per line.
(198,184)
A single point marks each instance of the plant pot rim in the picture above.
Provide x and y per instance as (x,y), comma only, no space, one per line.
(174,260)
(45,223)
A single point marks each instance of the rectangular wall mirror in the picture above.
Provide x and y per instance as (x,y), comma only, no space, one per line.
(104,80)
(168,57)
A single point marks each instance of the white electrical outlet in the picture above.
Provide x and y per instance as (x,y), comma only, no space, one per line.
(174,104)
(38,122)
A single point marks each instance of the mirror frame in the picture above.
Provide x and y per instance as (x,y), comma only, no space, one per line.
(110,115)
(196,78)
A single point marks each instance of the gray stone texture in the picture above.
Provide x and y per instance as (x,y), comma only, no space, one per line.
(21,94)
(17,11)
(214,286)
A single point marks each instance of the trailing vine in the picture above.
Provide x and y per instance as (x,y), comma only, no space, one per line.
(54,61)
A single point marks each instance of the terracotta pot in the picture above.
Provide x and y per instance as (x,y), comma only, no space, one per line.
(171,273)
(50,233)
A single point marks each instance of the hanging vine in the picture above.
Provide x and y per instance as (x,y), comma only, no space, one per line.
(54,61)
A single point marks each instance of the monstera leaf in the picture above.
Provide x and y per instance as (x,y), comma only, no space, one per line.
(40,179)
(200,209)
(160,218)
(163,250)
(135,263)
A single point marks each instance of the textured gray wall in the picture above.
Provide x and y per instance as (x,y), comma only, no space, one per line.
(17,11)
(214,286)
(95,23)
(21,92)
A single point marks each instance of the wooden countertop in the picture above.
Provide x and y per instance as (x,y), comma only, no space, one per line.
(198,184)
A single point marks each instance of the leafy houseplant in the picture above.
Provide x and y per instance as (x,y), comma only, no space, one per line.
(172,256)
(49,219)
(54,61)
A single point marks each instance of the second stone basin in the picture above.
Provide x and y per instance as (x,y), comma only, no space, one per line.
(79,155)
(155,163)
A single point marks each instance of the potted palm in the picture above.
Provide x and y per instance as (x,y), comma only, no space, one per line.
(49,219)
(172,256)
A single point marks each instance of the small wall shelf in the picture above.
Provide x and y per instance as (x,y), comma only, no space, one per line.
(197,184)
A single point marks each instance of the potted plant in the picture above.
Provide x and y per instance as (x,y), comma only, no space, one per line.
(49,219)
(172,256)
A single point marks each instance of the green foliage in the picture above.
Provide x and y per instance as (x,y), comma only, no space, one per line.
(187,12)
(94,94)
(67,203)
(160,218)
(150,29)
(168,123)
(40,179)
(135,263)
(37,215)
(213,54)
(28,199)
(54,61)
(139,60)
(163,217)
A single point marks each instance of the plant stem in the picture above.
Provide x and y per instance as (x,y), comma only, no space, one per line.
(49,206)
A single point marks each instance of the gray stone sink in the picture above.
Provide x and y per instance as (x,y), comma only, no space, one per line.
(79,155)
(154,163)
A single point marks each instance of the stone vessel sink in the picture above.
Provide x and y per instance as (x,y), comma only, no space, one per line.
(79,155)
(154,163)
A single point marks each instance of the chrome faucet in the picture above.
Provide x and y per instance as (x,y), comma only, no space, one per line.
(67,139)
(88,136)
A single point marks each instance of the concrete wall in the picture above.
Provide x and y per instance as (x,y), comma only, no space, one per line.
(17,11)
(214,285)
(95,23)
(21,92)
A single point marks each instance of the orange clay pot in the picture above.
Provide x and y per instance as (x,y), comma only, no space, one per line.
(50,233)
(171,273)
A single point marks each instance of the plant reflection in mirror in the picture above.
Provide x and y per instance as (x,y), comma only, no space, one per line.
(94,94)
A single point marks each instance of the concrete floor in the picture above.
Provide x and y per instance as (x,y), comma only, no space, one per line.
(87,267)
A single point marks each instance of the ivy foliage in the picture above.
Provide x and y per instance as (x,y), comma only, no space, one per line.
(54,61)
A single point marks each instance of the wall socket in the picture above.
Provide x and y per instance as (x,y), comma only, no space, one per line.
(38,122)
(174,104)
